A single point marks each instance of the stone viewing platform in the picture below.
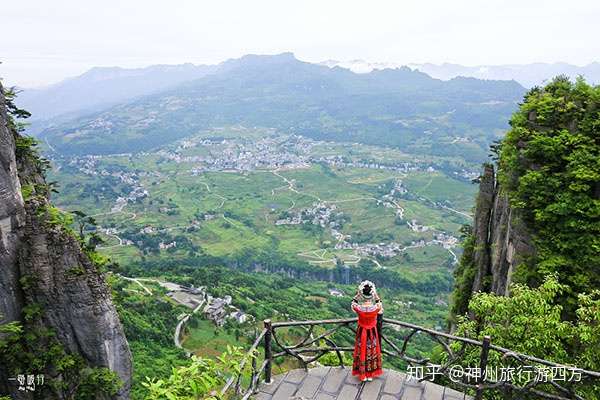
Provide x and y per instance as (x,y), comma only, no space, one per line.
(330,383)
(314,339)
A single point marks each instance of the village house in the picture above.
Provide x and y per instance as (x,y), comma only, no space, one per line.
(217,309)
(239,316)
(165,246)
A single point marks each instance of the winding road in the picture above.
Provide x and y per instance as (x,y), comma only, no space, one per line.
(181,324)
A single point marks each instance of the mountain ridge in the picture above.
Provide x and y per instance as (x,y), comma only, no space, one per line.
(393,107)
(528,75)
(75,96)
(102,87)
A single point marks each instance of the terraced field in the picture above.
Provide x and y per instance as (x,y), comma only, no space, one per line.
(226,212)
(267,202)
(282,224)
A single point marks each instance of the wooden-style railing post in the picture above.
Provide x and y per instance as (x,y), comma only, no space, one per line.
(483,360)
(268,350)
(253,379)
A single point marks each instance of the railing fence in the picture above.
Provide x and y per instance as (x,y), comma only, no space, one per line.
(312,346)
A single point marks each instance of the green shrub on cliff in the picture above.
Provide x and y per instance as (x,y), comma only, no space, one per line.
(529,322)
(549,165)
(201,379)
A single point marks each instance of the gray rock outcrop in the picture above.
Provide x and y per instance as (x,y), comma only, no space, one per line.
(73,296)
(502,241)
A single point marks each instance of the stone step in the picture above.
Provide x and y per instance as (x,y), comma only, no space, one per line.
(333,383)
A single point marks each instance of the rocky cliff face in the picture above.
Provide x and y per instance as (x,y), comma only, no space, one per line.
(495,245)
(548,163)
(12,220)
(501,239)
(44,268)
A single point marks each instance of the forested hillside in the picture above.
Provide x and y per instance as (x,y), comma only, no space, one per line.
(529,273)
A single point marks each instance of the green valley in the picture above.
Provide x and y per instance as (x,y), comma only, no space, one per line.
(281,194)
(299,200)
(227,208)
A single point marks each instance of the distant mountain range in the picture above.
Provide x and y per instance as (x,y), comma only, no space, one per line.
(101,87)
(397,107)
(528,75)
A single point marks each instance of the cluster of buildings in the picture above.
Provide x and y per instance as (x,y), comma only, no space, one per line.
(88,165)
(392,249)
(208,217)
(326,216)
(466,174)
(274,152)
(138,192)
(341,161)
(445,240)
(165,246)
(416,227)
(397,190)
(147,230)
(236,155)
(215,309)
(389,200)
(219,310)
(320,213)
(385,250)
(279,151)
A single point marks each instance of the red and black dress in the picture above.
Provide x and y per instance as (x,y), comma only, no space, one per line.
(367,351)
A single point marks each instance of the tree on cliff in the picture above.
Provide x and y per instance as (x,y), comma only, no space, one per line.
(549,166)
(546,188)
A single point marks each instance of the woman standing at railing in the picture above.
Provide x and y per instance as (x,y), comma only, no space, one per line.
(367,347)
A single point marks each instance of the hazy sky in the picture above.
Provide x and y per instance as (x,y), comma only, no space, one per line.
(45,41)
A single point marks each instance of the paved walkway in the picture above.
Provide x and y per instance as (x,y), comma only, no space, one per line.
(331,383)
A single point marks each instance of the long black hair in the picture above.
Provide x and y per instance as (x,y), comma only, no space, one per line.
(367,290)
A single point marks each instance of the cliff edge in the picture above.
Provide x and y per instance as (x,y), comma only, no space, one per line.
(498,241)
(538,211)
(55,298)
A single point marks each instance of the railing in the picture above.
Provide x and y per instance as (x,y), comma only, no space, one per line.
(457,353)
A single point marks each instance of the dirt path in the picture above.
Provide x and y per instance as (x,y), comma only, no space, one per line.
(205,184)
(138,282)
(399,208)
(115,245)
(292,188)
(223,200)
(458,212)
